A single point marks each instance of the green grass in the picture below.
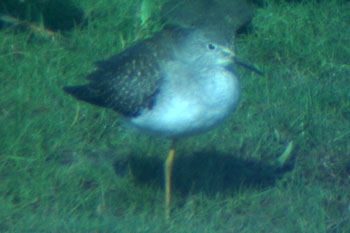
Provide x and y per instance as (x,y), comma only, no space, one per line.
(72,167)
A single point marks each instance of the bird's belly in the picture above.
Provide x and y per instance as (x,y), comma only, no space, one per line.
(183,116)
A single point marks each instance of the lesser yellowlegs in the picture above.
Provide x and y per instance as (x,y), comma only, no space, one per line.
(178,83)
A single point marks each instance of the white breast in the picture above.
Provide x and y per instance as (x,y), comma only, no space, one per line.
(187,106)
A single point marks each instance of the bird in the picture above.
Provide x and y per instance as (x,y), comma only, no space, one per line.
(178,83)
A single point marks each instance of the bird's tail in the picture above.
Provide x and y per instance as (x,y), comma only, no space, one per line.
(87,94)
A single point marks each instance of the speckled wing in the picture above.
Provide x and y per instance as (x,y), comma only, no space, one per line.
(128,82)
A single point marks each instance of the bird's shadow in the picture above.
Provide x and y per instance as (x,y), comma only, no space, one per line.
(206,172)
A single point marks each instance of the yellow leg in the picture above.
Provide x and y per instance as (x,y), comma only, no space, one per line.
(168,170)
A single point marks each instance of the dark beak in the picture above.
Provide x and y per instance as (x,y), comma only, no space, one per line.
(247,66)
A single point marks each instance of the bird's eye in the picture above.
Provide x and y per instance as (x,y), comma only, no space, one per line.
(211,46)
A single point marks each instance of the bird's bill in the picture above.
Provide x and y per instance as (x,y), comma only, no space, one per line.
(247,66)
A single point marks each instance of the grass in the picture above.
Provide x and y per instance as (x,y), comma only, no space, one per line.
(71,167)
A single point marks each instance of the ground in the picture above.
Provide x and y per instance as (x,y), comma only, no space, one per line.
(67,166)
